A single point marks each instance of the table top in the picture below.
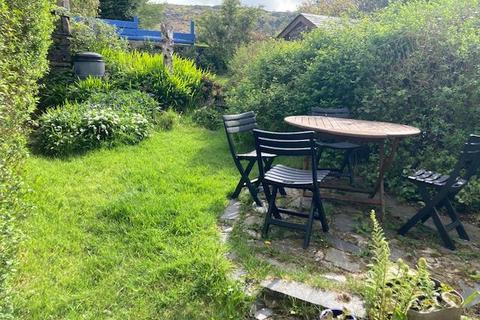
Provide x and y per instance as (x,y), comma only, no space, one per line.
(352,127)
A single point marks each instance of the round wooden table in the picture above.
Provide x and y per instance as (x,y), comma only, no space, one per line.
(360,131)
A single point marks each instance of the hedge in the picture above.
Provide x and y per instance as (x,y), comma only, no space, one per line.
(25,28)
(414,63)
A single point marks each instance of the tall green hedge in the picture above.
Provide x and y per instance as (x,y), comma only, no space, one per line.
(415,63)
(25,28)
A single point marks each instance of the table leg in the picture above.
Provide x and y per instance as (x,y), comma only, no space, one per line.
(385,163)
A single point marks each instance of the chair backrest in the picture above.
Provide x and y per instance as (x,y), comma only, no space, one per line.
(237,123)
(285,144)
(331,112)
(469,162)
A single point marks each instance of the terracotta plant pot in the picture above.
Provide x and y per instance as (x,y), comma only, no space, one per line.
(336,314)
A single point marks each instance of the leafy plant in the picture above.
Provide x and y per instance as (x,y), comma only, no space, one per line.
(146,72)
(76,128)
(91,34)
(208,117)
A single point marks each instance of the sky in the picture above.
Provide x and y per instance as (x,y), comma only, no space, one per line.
(271,5)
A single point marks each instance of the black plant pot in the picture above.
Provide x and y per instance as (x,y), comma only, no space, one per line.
(336,314)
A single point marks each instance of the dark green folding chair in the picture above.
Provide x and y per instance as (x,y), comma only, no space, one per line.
(238,123)
(299,144)
(348,148)
(439,191)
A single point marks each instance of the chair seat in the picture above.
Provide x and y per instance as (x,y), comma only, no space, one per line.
(338,145)
(253,155)
(283,175)
(434,179)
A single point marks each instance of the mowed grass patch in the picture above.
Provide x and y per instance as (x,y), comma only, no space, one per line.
(130,233)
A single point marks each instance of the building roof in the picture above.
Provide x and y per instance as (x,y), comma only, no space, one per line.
(310,20)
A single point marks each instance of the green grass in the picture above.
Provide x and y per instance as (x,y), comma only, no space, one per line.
(130,233)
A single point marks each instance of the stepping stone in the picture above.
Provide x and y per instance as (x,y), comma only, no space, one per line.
(342,245)
(467,290)
(263,314)
(342,260)
(344,223)
(231,213)
(324,298)
(335,277)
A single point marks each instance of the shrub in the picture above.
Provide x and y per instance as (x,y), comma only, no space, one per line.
(208,117)
(410,63)
(146,72)
(126,101)
(91,34)
(25,28)
(82,90)
(167,120)
(84,8)
(76,128)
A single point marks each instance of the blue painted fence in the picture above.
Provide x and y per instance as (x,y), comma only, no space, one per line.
(130,30)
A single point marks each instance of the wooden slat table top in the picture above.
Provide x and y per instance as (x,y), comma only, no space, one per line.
(352,127)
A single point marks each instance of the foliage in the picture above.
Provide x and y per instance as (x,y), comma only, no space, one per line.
(146,72)
(82,90)
(55,87)
(226,30)
(150,14)
(130,233)
(208,117)
(167,120)
(409,63)
(77,128)
(25,28)
(126,101)
(120,9)
(84,8)
(340,7)
(91,34)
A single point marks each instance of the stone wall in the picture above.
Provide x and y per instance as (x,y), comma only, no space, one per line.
(59,54)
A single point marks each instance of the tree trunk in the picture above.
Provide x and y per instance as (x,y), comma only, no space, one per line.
(167,46)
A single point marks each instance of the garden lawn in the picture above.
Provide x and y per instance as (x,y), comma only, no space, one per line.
(129,233)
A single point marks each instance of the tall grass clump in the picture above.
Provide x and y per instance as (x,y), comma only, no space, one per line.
(146,72)
(413,63)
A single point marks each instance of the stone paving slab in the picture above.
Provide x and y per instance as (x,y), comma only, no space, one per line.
(232,212)
(342,260)
(320,297)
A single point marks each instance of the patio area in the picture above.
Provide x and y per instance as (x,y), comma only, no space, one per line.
(328,274)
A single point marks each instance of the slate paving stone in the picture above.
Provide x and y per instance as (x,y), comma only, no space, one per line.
(263,314)
(231,213)
(342,245)
(320,297)
(342,260)
(344,222)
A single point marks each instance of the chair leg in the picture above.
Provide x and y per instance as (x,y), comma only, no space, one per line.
(442,231)
(348,164)
(454,217)
(423,213)
(271,210)
(309,226)
(320,210)
(244,173)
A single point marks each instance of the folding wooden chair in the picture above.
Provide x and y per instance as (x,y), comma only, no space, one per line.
(281,176)
(346,147)
(439,190)
(238,123)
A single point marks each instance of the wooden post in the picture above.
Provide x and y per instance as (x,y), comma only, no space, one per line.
(64,3)
(167,46)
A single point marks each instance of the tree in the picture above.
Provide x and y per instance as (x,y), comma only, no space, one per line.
(120,9)
(328,7)
(84,8)
(150,15)
(339,7)
(225,30)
